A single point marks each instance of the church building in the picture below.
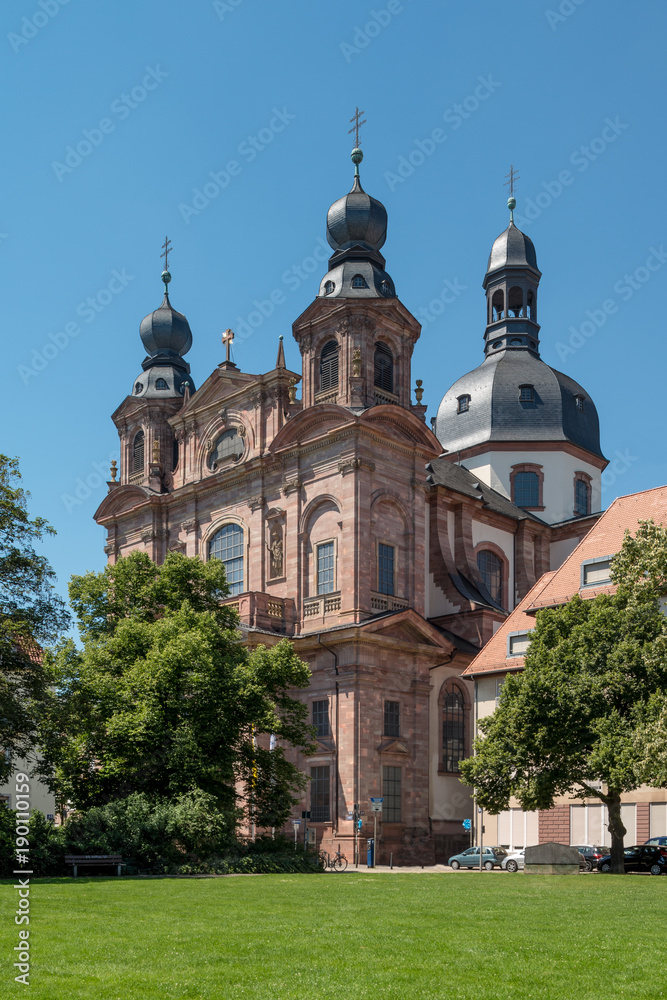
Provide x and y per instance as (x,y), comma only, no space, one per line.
(388,548)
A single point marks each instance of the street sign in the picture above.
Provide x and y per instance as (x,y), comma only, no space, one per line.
(467,823)
(296,823)
(376,807)
(349,816)
(377,799)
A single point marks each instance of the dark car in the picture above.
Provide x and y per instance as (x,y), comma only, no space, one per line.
(592,854)
(492,857)
(640,858)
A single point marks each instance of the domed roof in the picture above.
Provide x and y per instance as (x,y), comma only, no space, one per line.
(357,218)
(166,331)
(512,249)
(560,409)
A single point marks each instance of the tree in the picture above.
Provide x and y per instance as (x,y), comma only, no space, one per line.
(164,699)
(586,706)
(31,614)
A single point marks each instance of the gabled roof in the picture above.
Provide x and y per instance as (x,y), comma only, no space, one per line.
(455,477)
(557,587)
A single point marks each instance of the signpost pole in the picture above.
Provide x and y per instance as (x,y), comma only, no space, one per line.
(481,835)
(375,838)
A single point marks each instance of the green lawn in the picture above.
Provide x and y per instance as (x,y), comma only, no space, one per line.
(386,937)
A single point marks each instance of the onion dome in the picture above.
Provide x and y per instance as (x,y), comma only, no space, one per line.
(166,335)
(166,331)
(356,229)
(512,249)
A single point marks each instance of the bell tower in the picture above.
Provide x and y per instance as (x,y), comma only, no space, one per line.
(356,338)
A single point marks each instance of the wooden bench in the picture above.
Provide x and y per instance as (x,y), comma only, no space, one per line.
(81,860)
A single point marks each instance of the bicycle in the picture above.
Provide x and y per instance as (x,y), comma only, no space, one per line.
(337,862)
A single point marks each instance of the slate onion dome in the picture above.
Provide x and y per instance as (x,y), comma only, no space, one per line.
(514,396)
(166,335)
(356,230)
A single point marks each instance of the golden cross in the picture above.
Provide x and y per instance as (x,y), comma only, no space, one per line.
(228,339)
(513,176)
(357,125)
(166,246)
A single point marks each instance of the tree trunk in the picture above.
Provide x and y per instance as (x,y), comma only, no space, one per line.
(617,831)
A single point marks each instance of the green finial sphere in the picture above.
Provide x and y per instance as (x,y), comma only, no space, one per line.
(166,277)
(511,204)
(357,155)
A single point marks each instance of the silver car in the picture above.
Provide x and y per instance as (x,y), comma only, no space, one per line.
(514,861)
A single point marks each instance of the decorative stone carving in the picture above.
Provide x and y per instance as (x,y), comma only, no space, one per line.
(356,363)
(255,503)
(291,485)
(147,535)
(276,549)
(305,342)
(190,525)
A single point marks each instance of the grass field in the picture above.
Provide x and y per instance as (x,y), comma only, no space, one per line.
(386,937)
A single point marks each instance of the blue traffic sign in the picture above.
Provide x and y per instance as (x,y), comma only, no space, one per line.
(467,823)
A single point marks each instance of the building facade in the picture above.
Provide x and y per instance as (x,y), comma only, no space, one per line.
(388,550)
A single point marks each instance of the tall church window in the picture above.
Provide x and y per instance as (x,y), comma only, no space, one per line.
(526,489)
(491,571)
(384,368)
(227,546)
(453,729)
(321,717)
(385,568)
(138,452)
(391,792)
(325,568)
(329,365)
(392,718)
(174,454)
(582,497)
(497,305)
(320,794)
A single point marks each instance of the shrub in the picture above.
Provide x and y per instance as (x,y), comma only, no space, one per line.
(46,849)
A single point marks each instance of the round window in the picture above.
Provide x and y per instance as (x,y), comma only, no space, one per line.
(228,448)
(138,387)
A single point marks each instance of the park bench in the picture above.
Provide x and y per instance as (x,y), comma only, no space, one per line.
(81,860)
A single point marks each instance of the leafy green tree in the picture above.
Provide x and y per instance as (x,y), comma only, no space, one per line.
(163,698)
(585,708)
(31,614)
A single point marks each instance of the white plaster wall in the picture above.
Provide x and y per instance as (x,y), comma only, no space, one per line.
(40,797)
(486,695)
(504,540)
(558,468)
(559,551)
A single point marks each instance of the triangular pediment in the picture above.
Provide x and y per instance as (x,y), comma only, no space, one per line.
(407,626)
(393,746)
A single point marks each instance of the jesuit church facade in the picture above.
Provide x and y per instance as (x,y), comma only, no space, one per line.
(389,549)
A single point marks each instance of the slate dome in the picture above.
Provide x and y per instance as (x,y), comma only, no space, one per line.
(356,218)
(166,331)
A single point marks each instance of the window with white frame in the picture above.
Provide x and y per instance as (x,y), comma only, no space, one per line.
(227,546)
(325,557)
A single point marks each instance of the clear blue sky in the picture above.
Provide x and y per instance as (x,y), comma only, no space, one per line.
(169,92)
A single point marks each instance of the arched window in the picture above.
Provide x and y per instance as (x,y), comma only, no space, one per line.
(384,368)
(329,365)
(358,281)
(453,729)
(582,497)
(530,298)
(138,452)
(161,383)
(515,302)
(498,305)
(491,571)
(385,288)
(526,489)
(227,546)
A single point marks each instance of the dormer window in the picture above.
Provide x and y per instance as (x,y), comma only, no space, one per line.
(579,403)
(518,643)
(138,387)
(161,384)
(385,288)
(527,393)
(329,287)
(596,572)
(359,281)
(464,404)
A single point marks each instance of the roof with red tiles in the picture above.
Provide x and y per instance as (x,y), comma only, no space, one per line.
(557,587)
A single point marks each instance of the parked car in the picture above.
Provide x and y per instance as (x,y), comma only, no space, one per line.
(592,854)
(657,841)
(640,858)
(491,858)
(513,861)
